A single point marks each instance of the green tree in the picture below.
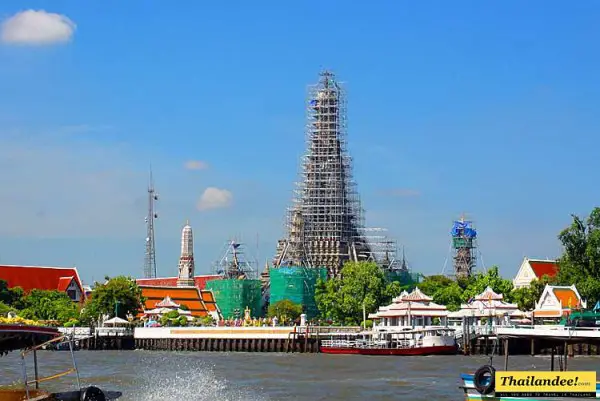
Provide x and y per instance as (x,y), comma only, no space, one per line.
(526,297)
(49,305)
(361,283)
(173,318)
(443,290)
(285,309)
(580,261)
(119,296)
(5,295)
(450,295)
(394,289)
(11,296)
(480,281)
(4,309)
(431,284)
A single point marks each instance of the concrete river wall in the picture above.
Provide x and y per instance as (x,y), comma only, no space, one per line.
(231,339)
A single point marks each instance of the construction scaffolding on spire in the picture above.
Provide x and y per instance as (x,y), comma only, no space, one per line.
(325,223)
(464,245)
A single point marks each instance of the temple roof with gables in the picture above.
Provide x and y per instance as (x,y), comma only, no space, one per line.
(416,304)
(557,300)
(485,304)
(167,302)
(415,296)
(489,294)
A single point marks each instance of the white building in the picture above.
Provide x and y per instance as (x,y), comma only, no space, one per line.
(410,310)
(534,269)
(485,308)
(557,301)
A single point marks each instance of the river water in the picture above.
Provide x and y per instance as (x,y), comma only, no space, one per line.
(199,376)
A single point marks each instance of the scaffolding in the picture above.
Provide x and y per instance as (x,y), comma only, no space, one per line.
(233,264)
(296,284)
(324,224)
(464,246)
(233,296)
(382,249)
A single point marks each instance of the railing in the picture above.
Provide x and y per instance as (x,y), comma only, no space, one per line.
(76,332)
(114,331)
(400,344)
(321,330)
(475,331)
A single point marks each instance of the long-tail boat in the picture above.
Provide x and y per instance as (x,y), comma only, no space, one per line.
(29,339)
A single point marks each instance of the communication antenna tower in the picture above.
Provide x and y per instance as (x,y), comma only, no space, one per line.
(150,259)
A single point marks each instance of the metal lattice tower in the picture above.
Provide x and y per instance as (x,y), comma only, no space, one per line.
(150,259)
(325,225)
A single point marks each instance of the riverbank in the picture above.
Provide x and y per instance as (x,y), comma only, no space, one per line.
(280,339)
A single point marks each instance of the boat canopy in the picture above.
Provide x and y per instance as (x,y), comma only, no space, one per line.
(17,337)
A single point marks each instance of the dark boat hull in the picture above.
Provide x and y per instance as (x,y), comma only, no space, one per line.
(435,350)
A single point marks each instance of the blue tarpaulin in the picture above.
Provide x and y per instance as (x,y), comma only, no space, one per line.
(463,229)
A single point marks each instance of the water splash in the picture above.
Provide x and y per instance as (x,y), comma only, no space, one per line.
(188,379)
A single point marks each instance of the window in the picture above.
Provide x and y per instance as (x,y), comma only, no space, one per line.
(72,294)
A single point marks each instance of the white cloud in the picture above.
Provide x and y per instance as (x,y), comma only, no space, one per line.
(196,165)
(33,27)
(215,198)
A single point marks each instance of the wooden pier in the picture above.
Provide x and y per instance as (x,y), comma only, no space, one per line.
(531,341)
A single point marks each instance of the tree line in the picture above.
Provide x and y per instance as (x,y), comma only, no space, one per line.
(119,296)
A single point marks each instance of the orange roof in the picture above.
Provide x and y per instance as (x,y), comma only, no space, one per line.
(209,300)
(188,296)
(567,297)
(544,268)
(40,278)
(547,313)
(199,281)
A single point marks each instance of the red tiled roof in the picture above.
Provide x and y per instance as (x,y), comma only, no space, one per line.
(544,268)
(64,283)
(40,278)
(199,281)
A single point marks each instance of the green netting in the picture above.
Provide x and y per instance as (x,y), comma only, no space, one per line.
(404,277)
(233,296)
(459,242)
(296,284)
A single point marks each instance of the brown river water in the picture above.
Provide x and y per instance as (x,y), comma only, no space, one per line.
(150,376)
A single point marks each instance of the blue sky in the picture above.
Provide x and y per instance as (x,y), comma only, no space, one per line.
(453,107)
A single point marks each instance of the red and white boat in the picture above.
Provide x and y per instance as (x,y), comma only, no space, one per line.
(420,341)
